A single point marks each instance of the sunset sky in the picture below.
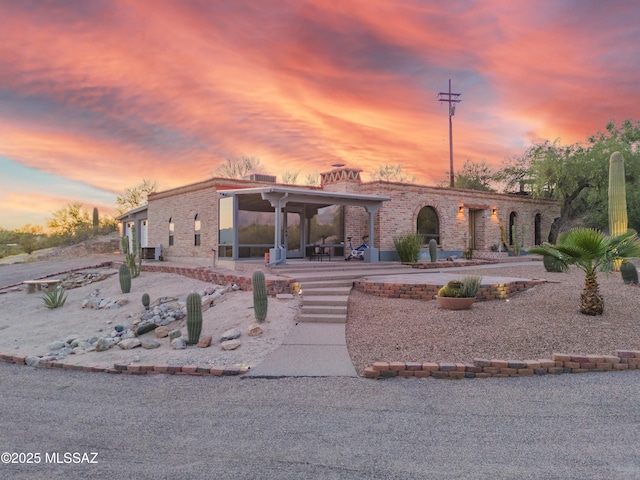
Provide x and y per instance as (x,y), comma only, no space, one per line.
(97,95)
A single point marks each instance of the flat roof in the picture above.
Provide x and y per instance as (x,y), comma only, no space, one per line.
(254,198)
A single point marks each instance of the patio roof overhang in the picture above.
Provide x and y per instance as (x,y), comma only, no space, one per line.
(255,199)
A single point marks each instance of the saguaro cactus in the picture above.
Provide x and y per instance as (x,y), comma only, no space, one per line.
(194,317)
(259,295)
(433,250)
(618,222)
(124,275)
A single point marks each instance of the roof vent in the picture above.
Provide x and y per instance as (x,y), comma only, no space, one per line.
(259,177)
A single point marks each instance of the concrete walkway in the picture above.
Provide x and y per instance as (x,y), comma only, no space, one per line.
(310,350)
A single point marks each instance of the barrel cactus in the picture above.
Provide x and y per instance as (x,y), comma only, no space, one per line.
(194,317)
(125,278)
(259,295)
(433,250)
(629,273)
(146,300)
(451,289)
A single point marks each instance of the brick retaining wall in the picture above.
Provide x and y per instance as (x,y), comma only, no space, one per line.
(274,286)
(483,368)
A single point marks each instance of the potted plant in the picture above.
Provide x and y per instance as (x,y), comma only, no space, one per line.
(459,294)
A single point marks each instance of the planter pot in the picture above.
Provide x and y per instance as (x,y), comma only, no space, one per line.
(453,303)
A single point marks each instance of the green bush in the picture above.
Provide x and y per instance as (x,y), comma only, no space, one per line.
(55,298)
(408,247)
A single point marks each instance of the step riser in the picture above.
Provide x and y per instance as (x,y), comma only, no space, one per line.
(325,303)
(324,309)
(327,283)
(322,318)
(340,291)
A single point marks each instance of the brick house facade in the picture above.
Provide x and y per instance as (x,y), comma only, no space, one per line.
(185,222)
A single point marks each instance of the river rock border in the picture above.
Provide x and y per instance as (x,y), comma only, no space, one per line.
(482,368)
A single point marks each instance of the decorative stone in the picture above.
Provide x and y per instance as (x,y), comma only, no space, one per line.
(57,345)
(175,333)
(230,344)
(70,338)
(149,343)
(178,343)
(162,332)
(129,343)
(32,361)
(254,330)
(205,341)
(103,344)
(230,334)
(145,327)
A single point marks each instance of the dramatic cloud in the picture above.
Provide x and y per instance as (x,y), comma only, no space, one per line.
(105,94)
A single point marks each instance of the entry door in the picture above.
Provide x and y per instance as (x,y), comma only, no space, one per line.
(475,218)
(292,232)
(144,234)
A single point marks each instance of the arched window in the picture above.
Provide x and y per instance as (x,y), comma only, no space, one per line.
(196,230)
(537,226)
(428,225)
(171,231)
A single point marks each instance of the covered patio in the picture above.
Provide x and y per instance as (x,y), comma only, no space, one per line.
(294,210)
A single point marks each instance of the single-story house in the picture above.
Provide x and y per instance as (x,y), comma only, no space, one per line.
(231,219)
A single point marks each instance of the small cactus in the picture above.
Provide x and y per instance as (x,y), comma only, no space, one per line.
(146,300)
(125,278)
(629,273)
(433,250)
(259,295)
(194,317)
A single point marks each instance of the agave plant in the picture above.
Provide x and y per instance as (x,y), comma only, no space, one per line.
(55,298)
(591,250)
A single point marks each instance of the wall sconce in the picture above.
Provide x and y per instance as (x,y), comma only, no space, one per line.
(494,212)
(460,209)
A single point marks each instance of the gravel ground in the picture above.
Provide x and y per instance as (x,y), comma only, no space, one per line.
(530,325)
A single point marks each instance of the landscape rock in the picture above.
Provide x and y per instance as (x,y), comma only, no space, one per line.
(57,345)
(175,333)
(205,341)
(230,334)
(230,344)
(145,327)
(103,344)
(162,331)
(129,343)
(149,343)
(254,330)
(178,343)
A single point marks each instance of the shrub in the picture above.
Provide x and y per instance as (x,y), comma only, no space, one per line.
(466,288)
(629,273)
(408,247)
(55,298)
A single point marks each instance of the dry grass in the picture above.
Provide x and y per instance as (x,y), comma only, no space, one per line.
(530,325)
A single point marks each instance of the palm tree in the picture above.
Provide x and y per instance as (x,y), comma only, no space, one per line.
(590,250)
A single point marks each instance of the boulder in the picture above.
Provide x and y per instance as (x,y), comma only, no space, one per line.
(254,330)
(178,343)
(162,332)
(149,343)
(175,333)
(103,344)
(230,344)
(230,334)
(205,341)
(129,343)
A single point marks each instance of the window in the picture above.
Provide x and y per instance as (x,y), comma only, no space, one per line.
(537,226)
(171,232)
(196,230)
(428,225)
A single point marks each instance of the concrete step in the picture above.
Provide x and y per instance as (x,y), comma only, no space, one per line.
(331,309)
(341,275)
(325,291)
(326,300)
(322,318)
(341,282)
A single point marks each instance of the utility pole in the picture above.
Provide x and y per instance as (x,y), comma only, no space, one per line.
(451,99)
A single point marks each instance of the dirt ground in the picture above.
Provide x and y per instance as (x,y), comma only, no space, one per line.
(27,327)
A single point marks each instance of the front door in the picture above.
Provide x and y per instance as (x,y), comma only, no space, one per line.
(292,232)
